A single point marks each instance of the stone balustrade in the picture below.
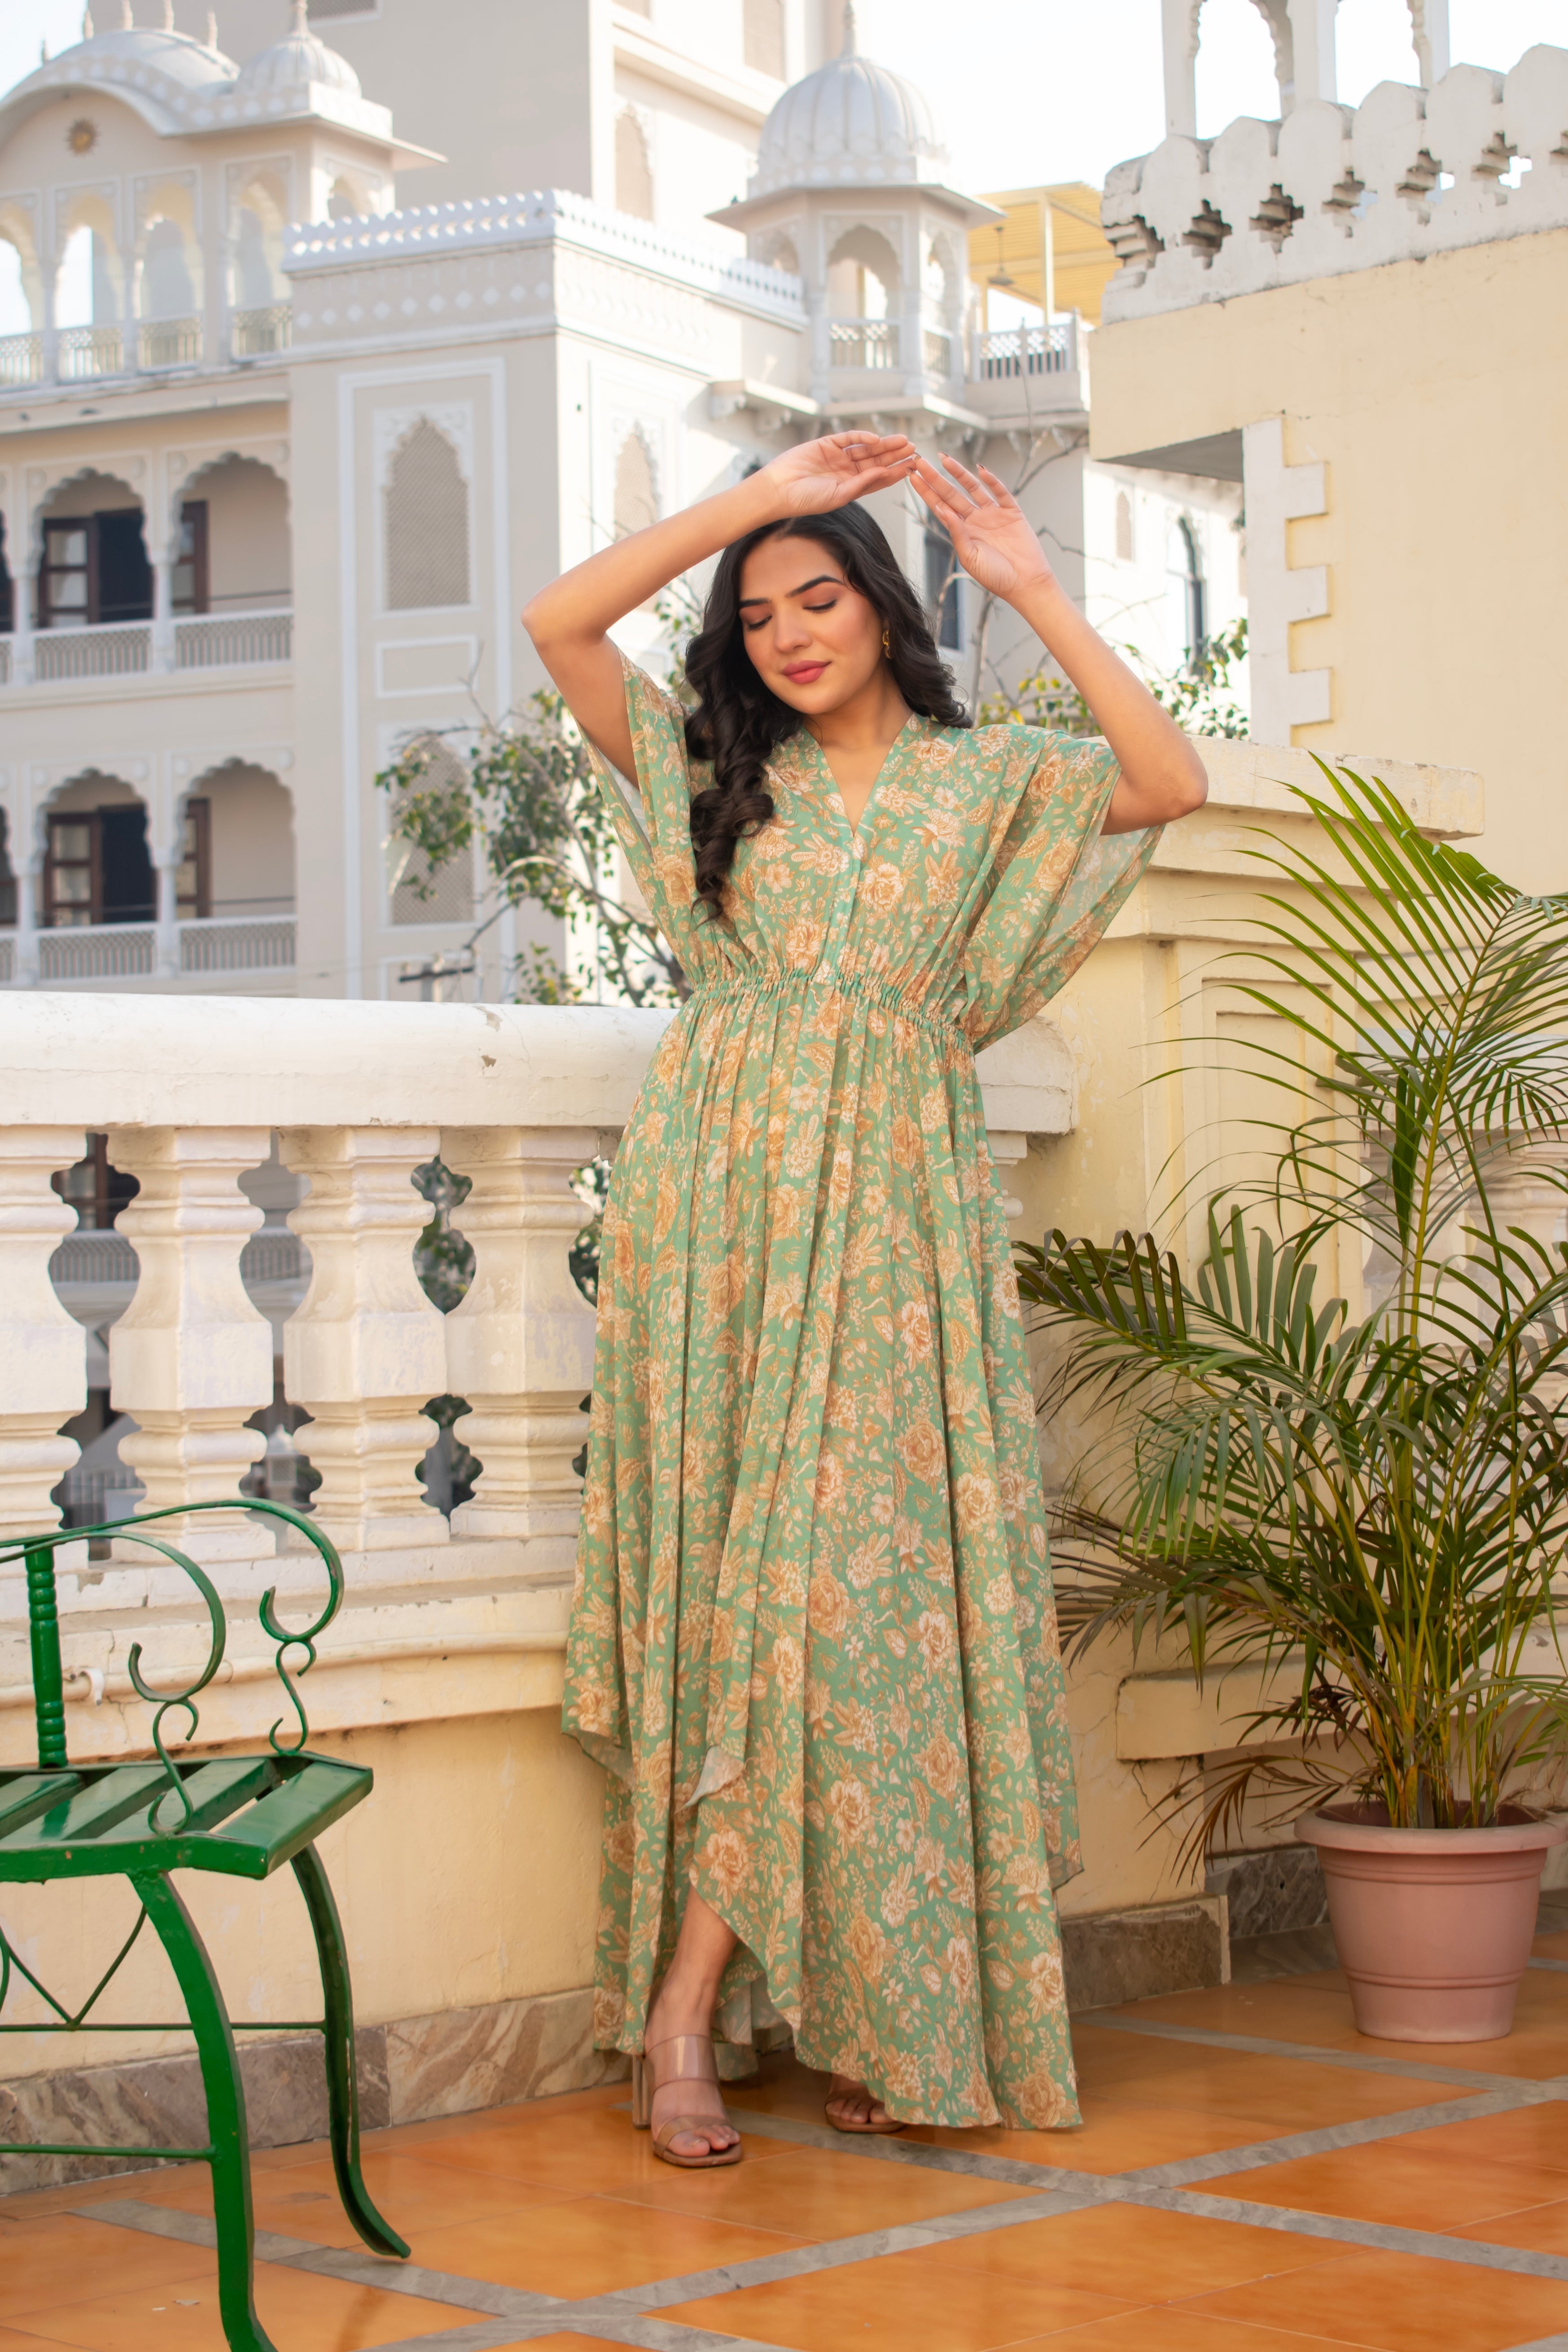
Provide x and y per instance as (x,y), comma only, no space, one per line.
(192,1093)
(1409,172)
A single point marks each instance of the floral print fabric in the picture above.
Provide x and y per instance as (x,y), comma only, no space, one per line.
(813,1636)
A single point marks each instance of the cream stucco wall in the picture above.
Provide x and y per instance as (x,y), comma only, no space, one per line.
(1432,392)
(468,1876)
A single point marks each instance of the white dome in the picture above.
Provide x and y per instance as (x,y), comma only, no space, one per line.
(300,56)
(850,124)
(136,53)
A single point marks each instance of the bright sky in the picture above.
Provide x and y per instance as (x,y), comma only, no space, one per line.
(1035,90)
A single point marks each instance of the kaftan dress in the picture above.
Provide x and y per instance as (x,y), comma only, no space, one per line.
(813,1636)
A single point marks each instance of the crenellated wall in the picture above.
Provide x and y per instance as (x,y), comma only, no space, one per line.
(1331,188)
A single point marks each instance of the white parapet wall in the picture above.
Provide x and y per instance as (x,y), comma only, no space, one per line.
(1331,188)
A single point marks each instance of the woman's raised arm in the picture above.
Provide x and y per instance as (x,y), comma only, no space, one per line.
(569,620)
(1162,776)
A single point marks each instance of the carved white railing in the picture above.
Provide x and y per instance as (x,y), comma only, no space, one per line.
(1480,155)
(121,651)
(21,359)
(191,1093)
(82,351)
(863,342)
(238,943)
(1026,351)
(213,640)
(170,342)
(97,952)
(255,333)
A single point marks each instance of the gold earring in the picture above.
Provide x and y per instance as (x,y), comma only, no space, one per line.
(886,649)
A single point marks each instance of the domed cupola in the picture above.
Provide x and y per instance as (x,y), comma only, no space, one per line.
(850,124)
(300,60)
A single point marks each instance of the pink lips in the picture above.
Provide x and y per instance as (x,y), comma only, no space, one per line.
(807,673)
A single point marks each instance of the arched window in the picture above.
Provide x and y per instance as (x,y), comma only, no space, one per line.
(763,36)
(1184,599)
(426,508)
(636,503)
(1124,528)
(168,291)
(633,173)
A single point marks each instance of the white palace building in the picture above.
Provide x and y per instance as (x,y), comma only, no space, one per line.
(299,402)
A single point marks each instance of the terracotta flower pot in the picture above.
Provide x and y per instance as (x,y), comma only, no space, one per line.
(1433,1926)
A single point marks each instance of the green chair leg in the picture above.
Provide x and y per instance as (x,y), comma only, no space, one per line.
(230,2157)
(342,2082)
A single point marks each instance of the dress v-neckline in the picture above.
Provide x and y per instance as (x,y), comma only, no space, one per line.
(833,793)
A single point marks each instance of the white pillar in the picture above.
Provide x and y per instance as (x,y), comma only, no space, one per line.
(365,1351)
(1179,36)
(191,1359)
(25,949)
(162,562)
(43,1349)
(519,1346)
(166,874)
(1429,31)
(1312,50)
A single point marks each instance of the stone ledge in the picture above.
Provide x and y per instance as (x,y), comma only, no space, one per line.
(1111,1957)
(409,2072)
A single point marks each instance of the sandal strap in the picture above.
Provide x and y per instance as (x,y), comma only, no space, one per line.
(683,2058)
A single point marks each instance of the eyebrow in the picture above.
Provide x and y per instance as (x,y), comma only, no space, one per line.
(822,580)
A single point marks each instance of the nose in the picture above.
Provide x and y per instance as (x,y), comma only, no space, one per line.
(790,631)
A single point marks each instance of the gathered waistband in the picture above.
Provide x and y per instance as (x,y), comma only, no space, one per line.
(740,987)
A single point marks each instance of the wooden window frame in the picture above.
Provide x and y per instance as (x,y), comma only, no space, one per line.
(193,513)
(93,861)
(86,614)
(196,906)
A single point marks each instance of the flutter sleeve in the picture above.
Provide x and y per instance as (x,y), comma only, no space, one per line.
(653,824)
(1060,882)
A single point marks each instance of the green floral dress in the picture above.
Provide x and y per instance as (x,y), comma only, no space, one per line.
(813,1636)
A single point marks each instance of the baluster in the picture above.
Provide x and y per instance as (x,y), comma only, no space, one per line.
(191,1357)
(520,1345)
(364,1351)
(43,1349)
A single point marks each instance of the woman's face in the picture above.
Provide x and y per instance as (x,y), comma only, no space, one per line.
(813,639)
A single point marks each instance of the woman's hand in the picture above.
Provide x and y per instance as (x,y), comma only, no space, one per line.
(818,476)
(991,535)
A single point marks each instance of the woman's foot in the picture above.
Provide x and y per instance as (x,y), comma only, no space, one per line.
(852,2108)
(678,2010)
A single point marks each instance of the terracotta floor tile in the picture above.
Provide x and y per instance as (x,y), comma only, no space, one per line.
(414,2192)
(1115,2136)
(1535,2136)
(1543,2229)
(12,2341)
(1136,2254)
(593,2245)
(43,2257)
(1552,1947)
(1282,2095)
(300,2313)
(896,2303)
(1410,2187)
(1317,2009)
(549,2344)
(1170,2330)
(584,2155)
(1402,2302)
(816,2193)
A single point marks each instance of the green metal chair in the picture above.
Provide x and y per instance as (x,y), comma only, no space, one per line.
(242,1816)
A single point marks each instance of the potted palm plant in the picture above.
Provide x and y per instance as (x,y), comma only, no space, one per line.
(1371,1505)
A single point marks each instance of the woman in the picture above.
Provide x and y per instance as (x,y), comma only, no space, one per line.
(813,1637)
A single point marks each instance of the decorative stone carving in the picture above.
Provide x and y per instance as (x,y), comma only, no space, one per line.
(43,1351)
(191,1359)
(519,1346)
(366,1350)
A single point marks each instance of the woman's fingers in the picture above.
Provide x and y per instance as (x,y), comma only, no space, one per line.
(975,489)
(938,492)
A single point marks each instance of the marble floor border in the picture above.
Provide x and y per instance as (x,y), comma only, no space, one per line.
(1530,2088)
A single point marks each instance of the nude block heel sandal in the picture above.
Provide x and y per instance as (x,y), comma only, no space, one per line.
(684,2058)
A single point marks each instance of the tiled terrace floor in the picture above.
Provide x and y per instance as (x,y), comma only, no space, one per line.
(1252,2177)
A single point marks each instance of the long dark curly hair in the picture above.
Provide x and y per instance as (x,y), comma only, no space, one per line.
(739,723)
